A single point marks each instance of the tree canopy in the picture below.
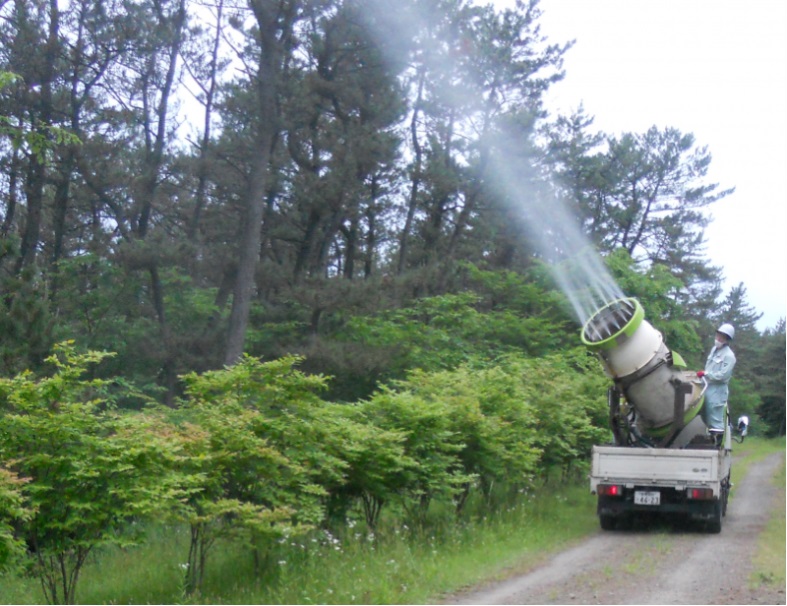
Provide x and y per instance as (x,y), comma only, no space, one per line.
(184,183)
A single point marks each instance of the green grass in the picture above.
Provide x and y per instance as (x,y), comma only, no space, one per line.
(398,564)
(403,565)
(750,451)
(769,561)
(148,574)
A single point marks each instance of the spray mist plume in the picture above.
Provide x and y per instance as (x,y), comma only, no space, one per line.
(513,176)
(576,267)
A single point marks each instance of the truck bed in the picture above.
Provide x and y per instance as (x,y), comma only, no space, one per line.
(630,482)
(658,466)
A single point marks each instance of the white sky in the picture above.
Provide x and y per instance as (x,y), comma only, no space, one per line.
(714,68)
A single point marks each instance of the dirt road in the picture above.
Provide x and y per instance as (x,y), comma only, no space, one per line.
(657,564)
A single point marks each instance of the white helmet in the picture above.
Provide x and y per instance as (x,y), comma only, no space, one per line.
(727,329)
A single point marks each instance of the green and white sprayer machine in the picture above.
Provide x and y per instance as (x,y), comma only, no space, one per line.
(663,458)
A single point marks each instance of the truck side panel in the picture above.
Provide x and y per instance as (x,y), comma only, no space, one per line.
(656,465)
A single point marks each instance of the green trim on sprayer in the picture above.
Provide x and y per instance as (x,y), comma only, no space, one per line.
(678,361)
(628,330)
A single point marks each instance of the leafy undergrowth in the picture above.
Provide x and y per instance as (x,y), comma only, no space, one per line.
(398,564)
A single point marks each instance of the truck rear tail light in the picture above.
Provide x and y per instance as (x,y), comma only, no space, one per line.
(699,494)
(610,490)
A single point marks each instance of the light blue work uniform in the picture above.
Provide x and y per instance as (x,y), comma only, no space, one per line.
(718,370)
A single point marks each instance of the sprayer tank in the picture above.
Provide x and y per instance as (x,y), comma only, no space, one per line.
(635,356)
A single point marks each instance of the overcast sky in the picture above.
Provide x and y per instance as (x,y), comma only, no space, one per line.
(714,68)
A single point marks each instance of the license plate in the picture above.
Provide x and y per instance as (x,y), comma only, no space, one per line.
(647,497)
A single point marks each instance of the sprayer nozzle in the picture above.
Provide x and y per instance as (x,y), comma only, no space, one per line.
(610,321)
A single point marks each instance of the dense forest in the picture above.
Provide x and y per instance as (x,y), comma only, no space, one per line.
(336,244)
(184,182)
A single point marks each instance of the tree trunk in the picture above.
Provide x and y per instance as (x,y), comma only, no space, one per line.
(307,243)
(267,83)
(371,233)
(36,178)
(415,182)
(154,150)
(351,237)
(34,194)
(202,167)
(6,249)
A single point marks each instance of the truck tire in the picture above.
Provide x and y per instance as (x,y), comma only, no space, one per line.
(607,522)
(725,494)
(714,524)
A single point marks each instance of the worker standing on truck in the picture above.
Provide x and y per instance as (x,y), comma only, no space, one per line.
(718,370)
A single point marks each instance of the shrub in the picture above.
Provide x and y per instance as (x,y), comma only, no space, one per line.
(87,471)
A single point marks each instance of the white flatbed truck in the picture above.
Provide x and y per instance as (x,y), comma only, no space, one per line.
(664,458)
(694,483)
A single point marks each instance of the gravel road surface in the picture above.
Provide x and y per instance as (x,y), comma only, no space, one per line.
(656,563)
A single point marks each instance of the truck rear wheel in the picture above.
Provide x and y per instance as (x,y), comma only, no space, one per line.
(607,522)
(725,494)
(714,524)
